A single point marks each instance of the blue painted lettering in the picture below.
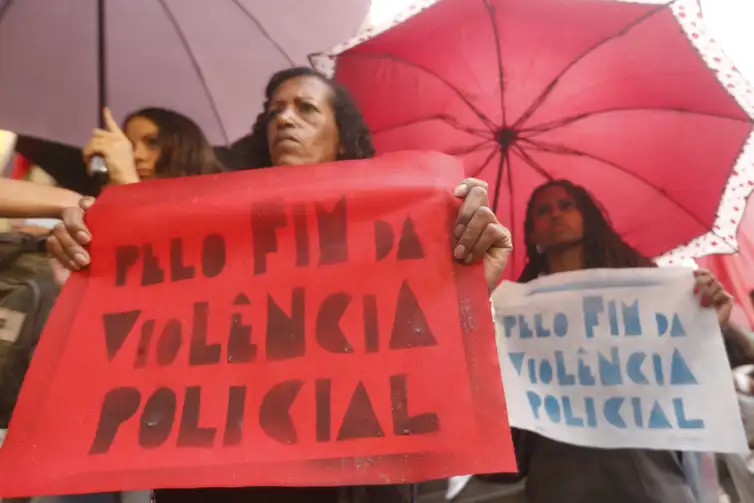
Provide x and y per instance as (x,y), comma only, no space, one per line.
(662,323)
(680,373)
(611,368)
(683,421)
(633,367)
(552,407)
(610,373)
(524,331)
(657,418)
(586,378)
(612,318)
(591,412)
(509,322)
(631,318)
(611,410)
(521,326)
(539,329)
(532,370)
(592,307)
(636,406)
(560,325)
(564,378)
(675,326)
(545,371)
(628,314)
(657,366)
(570,419)
(517,359)
(677,330)
(639,413)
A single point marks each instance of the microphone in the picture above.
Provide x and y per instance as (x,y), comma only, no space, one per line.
(98,170)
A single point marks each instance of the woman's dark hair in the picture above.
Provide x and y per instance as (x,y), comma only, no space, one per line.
(185,151)
(355,139)
(603,247)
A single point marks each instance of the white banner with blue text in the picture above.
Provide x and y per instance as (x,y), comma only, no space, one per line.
(617,358)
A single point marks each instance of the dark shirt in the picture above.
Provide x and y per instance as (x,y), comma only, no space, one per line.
(563,473)
(572,474)
(361,494)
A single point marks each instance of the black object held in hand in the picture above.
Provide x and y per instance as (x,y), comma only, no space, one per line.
(98,170)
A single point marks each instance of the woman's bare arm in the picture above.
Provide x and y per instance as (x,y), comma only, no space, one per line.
(22,199)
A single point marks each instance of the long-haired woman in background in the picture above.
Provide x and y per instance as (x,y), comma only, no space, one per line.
(567,230)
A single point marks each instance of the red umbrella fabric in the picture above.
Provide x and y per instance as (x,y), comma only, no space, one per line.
(736,272)
(631,100)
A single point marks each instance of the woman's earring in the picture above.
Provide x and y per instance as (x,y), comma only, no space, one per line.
(540,250)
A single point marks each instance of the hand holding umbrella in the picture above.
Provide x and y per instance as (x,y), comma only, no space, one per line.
(116,150)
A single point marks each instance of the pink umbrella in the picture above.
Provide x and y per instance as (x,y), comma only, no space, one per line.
(62,60)
(632,100)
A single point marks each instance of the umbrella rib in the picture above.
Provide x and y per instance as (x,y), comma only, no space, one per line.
(469,149)
(542,97)
(499,179)
(562,150)
(532,163)
(447,119)
(264,32)
(498,48)
(4,9)
(511,203)
(549,126)
(482,117)
(485,163)
(197,68)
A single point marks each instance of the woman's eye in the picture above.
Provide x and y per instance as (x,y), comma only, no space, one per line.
(307,107)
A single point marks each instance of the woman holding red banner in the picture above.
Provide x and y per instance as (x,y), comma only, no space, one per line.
(309,119)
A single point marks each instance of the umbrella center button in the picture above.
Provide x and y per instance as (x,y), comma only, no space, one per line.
(506,137)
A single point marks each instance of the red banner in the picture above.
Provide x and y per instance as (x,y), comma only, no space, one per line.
(288,326)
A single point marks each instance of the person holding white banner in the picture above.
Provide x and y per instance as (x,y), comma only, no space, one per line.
(566,231)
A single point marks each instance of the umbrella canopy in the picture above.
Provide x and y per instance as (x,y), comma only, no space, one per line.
(610,95)
(60,61)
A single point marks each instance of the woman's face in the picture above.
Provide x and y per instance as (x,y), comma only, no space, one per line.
(557,219)
(301,127)
(142,133)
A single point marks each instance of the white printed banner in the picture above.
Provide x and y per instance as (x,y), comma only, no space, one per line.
(617,358)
